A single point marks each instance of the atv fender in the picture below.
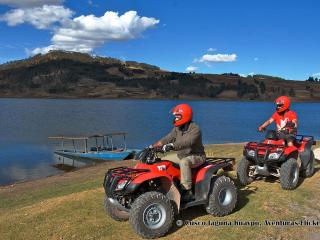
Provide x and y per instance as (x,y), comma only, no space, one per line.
(174,195)
(306,154)
(203,180)
(138,182)
(167,186)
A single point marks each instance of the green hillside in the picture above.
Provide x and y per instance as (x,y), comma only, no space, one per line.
(60,74)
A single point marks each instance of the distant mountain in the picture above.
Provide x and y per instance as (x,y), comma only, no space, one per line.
(60,74)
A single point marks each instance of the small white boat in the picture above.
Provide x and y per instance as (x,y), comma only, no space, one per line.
(103,149)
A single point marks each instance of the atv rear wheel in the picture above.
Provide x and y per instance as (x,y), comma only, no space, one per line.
(308,172)
(222,197)
(151,215)
(114,212)
(243,171)
(289,174)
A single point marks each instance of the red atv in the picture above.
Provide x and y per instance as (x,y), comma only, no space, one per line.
(148,194)
(272,157)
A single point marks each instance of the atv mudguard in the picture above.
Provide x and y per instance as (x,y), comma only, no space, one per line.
(203,180)
(305,156)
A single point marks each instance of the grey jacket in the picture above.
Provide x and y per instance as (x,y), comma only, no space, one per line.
(187,142)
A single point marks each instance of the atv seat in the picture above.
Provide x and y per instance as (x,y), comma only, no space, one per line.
(192,169)
(272,135)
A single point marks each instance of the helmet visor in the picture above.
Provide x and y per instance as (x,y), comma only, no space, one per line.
(176,117)
(279,106)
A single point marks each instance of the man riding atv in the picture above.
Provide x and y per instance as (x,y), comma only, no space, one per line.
(285,119)
(282,154)
(149,195)
(185,138)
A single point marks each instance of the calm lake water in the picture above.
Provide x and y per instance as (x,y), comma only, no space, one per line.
(25,124)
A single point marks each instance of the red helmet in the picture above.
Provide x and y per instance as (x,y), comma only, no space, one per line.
(182,114)
(282,104)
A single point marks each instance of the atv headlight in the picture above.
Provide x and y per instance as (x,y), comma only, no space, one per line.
(274,156)
(251,153)
(121,184)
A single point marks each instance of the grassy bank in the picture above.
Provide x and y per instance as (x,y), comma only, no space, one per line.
(69,206)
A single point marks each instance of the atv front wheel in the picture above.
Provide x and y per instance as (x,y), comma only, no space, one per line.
(243,172)
(222,197)
(289,174)
(308,172)
(114,212)
(152,215)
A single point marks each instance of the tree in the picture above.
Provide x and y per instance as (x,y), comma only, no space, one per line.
(310,79)
(292,93)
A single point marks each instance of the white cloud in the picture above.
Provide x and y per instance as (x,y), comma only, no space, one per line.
(30,3)
(316,75)
(217,58)
(191,69)
(246,75)
(40,17)
(85,33)
(212,49)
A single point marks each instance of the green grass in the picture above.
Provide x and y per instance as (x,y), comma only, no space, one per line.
(70,207)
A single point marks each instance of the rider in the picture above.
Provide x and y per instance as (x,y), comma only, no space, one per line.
(185,138)
(286,120)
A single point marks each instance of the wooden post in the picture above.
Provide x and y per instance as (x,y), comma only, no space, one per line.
(74,147)
(111,143)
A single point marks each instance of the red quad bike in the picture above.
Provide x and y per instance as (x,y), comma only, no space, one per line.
(148,194)
(273,157)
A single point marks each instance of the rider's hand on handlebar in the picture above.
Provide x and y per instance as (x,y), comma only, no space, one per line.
(157,144)
(167,147)
(261,129)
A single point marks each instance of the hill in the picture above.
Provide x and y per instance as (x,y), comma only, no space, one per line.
(70,206)
(60,74)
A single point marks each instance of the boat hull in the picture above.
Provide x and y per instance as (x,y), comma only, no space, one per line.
(101,156)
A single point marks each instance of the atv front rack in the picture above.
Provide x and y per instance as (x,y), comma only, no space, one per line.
(125,171)
(114,175)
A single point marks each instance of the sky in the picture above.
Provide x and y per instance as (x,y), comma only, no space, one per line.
(279,38)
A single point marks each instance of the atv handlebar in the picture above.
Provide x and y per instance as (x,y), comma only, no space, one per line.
(149,155)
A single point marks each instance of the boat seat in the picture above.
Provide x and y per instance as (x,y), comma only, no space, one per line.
(118,150)
(110,149)
(99,148)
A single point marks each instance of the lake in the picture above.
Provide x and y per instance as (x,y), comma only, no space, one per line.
(25,124)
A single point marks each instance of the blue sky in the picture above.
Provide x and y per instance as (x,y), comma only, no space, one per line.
(279,38)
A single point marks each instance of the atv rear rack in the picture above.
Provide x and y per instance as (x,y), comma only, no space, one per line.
(231,162)
(215,160)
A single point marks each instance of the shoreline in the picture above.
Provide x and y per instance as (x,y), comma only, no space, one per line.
(156,99)
(209,148)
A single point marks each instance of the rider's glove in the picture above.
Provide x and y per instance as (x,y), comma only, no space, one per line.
(167,147)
